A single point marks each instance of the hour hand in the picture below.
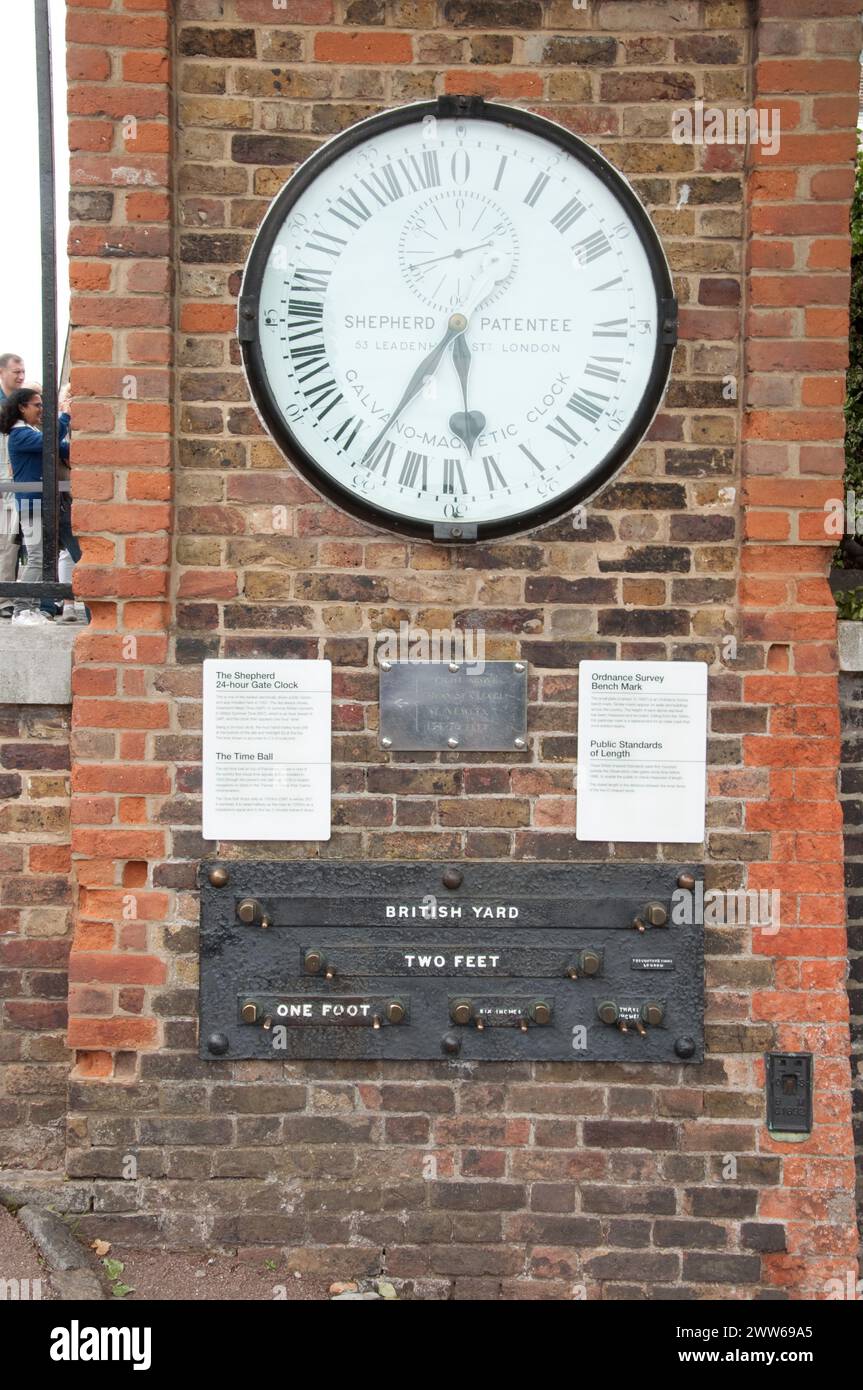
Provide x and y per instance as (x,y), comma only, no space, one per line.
(468,425)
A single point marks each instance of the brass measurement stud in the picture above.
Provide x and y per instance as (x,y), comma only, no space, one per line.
(460,1011)
(608,1011)
(541,1012)
(396,1011)
(249,1013)
(313,962)
(655,914)
(652,1014)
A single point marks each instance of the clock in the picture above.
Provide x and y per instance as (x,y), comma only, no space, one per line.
(457,320)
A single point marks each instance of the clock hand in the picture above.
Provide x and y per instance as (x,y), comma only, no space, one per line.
(470,425)
(497,269)
(429,365)
(452,254)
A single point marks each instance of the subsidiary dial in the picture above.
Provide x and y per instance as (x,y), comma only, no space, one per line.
(445,241)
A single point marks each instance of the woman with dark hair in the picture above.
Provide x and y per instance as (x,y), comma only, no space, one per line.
(21,420)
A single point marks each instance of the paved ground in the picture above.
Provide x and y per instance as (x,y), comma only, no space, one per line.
(154,1274)
(19,1259)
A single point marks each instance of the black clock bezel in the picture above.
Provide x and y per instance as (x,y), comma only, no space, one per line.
(517,523)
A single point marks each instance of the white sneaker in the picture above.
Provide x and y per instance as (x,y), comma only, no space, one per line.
(32,616)
(67,613)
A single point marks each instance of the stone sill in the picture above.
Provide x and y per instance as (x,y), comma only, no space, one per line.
(36,663)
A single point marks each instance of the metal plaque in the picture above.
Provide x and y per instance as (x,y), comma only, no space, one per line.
(494,961)
(476,706)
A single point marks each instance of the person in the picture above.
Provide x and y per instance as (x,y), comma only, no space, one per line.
(11,379)
(20,423)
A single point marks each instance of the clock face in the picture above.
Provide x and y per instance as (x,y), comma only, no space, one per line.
(457,326)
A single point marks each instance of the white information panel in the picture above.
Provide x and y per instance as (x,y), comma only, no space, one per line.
(642,751)
(267,750)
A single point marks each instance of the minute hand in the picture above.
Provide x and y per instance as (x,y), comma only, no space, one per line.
(429,365)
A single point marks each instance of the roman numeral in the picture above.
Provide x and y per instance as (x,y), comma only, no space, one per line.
(326,236)
(569,213)
(493,475)
(587,404)
(534,460)
(411,468)
(609,284)
(610,328)
(384,456)
(305,309)
(602,368)
(353,434)
(532,195)
(387,183)
(500,170)
(311,359)
(311,281)
(592,247)
(356,212)
(426,173)
(318,394)
(453,478)
(563,429)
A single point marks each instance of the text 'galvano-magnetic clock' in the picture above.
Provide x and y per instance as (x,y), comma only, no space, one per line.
(457,320)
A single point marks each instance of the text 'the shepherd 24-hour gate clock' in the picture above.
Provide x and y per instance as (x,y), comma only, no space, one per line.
(457,320)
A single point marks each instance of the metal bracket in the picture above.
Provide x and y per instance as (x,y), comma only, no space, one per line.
(455,531)
(451,105)
(247,319)
(668,322)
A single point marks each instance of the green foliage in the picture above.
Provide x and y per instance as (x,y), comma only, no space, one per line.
(849,604)
(113,1269)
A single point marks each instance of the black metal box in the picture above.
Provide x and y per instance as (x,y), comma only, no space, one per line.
(557,962)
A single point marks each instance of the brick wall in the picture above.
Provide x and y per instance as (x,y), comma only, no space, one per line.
(35,931)
(614,1177)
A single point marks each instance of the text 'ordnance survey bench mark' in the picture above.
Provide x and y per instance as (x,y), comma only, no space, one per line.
(642,751)
(267,750)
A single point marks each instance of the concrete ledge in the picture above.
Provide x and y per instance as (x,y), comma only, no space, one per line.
(36,663)
(850,645)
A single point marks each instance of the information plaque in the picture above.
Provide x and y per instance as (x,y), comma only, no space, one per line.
(485,961)
(475,706)
(267,736)
(642,751)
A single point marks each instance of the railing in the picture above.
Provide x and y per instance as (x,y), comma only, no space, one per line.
(48,587)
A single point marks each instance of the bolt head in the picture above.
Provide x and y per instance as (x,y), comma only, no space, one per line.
(386,743)
(686,881)
(520,743)
(461,1012)
(450,1044)
(452,878)
(456,531)
(685,1047)
(452,743)
(218,876)
(396,1011)
(453,666)
(386,665)
(590,962)
(217,1043)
